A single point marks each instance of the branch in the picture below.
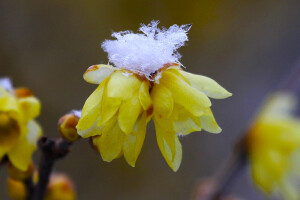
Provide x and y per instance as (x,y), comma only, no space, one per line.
(51,151)
(233,169)
(29,188)
(3,161)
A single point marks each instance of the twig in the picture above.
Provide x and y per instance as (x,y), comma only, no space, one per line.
(234,168)
(51,151)
(3,161)
(29,188)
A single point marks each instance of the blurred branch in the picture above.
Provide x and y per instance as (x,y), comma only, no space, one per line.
(29,188)
(52,150)
(3,161)
(234,168)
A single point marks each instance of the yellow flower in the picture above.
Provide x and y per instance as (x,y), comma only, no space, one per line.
(117,112)
(60,188)
(146,82)
(16,189)
(18,130)
(273,146)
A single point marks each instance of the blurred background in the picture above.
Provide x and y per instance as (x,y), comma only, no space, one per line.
(248,46)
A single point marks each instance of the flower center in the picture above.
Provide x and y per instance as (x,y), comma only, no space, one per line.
(9,129)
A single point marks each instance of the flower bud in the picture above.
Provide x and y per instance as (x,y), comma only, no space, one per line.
(67,126)
(23,92)
(18,175)
(16,189)
(60,188)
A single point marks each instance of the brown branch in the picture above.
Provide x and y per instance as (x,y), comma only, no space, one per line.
(234,168)
(51,151)
(29,185)
(3,161)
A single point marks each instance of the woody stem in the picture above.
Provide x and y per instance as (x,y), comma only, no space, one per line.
(29,187)
(52,150)
(234,168)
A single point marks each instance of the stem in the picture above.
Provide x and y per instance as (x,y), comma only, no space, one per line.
(3,161)
(233,169)
(51,152)
(29,187)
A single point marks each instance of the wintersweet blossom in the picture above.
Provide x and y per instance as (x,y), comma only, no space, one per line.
(16,189)
(147,81)
(19,131)
(60,187)
(273,145)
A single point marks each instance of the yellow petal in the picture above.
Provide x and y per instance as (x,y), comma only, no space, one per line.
(97,73)
(16,189)
(30,106)
(168,142)
(162,100)
(110,143)
(207,85)
(91,131)
(185,95)
(122,85)
(3,92)
(91,109)
(185,122)
(282,134)
(261,177)
(109,108)
(20,155)
(287,138)
(144,96)
(129,111)
(8,103)
(279,104)
(209,123)
(268,168)
(289,190)
(133,142)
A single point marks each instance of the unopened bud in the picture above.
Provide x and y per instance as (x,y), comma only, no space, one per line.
(16,189)
(67,126)
(16,174)
(23,92)
(60,188)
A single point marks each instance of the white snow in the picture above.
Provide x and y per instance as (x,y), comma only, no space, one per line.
(148,51)
(77,113)
(6,84)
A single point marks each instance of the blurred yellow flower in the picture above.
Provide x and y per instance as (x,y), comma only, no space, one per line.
(274,147)
(117,112)
(60,188)
(18,130)
(16,189)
